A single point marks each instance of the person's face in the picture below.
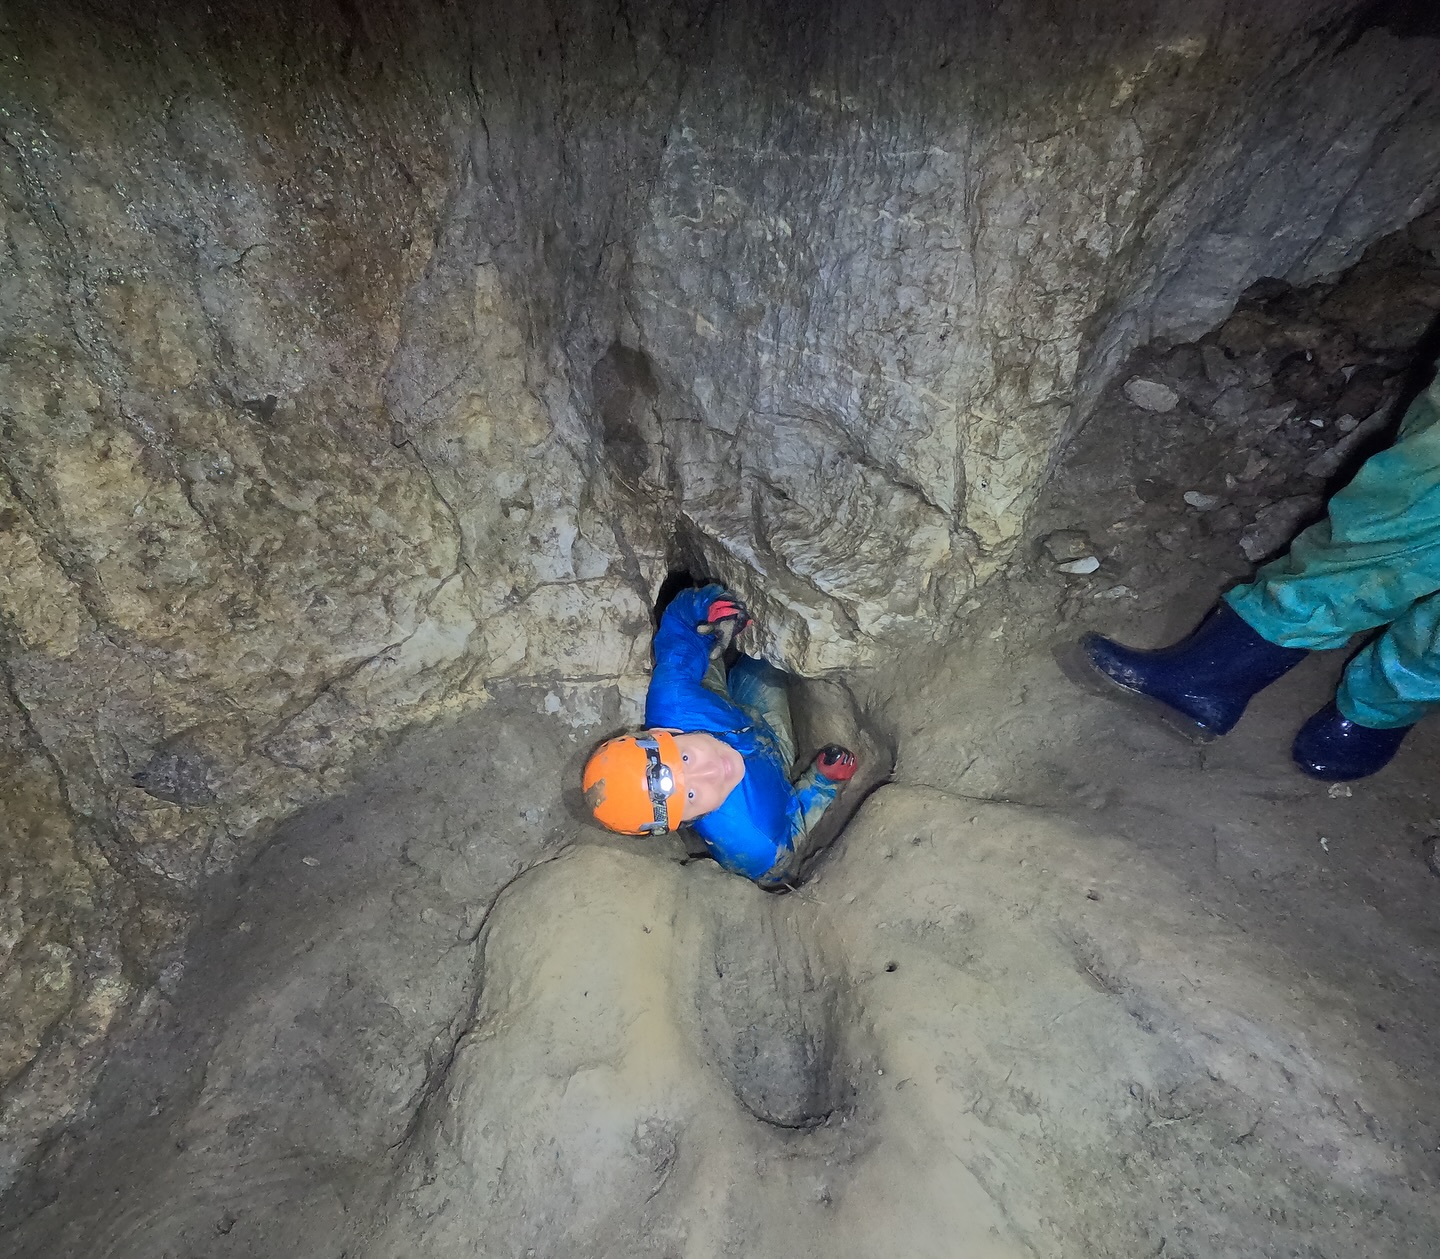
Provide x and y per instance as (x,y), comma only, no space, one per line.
(711,770)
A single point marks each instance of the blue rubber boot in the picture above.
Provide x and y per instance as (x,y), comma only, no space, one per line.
(1332,747)
(1199,686)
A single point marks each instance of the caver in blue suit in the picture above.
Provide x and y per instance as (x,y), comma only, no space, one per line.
(761,828)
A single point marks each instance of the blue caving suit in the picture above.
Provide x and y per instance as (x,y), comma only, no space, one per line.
(1374,561)
(762,828)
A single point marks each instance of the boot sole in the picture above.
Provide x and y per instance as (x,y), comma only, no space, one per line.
(1076,665)
(1320,774)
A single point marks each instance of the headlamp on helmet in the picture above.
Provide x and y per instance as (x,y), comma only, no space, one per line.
(635,784)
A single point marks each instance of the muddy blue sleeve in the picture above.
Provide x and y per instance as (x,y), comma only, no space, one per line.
(814,793)
(677,698)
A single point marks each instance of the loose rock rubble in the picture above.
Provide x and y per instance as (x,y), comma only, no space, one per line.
(1274,409)
(1150,395)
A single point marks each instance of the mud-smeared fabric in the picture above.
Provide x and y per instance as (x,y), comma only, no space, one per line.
(760,689)
(1374,561)
(758,830)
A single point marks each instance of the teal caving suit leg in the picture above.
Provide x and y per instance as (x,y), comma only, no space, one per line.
(1375,560)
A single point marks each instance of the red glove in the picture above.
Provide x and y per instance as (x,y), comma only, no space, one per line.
(836,763)
(728,607)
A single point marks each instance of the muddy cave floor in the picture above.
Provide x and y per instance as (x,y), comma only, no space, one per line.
(1064,986)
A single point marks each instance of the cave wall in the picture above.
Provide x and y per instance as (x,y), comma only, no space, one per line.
(360,358)
(879,261)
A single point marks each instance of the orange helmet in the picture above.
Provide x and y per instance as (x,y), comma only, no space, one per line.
(634,783)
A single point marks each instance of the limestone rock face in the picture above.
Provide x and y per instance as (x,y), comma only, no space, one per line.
(358,360)
(226,568)
(875,273)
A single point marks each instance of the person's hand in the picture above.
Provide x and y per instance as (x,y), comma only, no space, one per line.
(726,615)
(726,607)
(836,763)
